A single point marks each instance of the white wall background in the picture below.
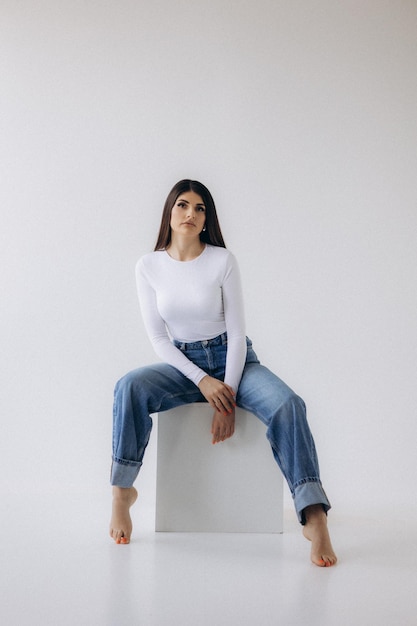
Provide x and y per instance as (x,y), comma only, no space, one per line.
(300,116)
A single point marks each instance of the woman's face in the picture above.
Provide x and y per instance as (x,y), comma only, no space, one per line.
(188,215)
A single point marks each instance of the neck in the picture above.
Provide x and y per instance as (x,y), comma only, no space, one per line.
(182,249)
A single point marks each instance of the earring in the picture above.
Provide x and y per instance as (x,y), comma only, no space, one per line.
(204,229)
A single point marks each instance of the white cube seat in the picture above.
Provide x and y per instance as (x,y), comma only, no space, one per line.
(234,486)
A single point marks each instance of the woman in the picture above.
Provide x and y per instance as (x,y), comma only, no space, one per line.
(191,301)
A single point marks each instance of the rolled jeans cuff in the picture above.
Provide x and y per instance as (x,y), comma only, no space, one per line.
(124,473)
(307,494)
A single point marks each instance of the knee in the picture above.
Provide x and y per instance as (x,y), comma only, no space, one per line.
(294,400)
(130,381)
(292,407)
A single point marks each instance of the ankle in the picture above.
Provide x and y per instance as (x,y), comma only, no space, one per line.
(314,513)
(121,492)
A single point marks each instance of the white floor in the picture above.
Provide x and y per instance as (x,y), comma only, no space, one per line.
(59,567)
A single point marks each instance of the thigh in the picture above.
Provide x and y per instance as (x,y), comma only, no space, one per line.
(261,392)
(160,386)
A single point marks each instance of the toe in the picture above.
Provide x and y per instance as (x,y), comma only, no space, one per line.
(117,535)
(328,561)
(120,537)
(322,560)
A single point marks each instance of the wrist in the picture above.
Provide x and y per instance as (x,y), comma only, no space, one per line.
(203,377)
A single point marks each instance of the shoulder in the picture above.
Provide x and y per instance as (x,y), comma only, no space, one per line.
(220,254)
(151,259)
(150,263)
(223,260)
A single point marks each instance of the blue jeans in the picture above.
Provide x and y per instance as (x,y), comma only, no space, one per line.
(161,387)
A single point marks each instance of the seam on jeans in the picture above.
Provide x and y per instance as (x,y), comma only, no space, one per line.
(309,479)
(126,462)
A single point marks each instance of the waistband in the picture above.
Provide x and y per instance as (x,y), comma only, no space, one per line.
(220,340)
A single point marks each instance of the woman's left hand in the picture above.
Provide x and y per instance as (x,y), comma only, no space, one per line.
(223,426)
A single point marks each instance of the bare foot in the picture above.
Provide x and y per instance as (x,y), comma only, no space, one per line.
(315,530)
(121,523)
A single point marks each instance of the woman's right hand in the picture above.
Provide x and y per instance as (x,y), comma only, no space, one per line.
(219,395)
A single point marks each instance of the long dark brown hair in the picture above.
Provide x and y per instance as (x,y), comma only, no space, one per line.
(212,235)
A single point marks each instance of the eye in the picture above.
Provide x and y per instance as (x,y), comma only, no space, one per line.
(181,204)
(201,208)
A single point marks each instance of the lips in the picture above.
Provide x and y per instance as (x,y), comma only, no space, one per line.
(188,224)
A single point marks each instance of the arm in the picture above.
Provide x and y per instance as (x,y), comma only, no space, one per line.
(235,324)
(223,424)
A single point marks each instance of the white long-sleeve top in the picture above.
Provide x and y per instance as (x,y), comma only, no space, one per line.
(193,301)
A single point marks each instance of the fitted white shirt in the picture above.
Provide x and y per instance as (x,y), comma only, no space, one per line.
(193,301)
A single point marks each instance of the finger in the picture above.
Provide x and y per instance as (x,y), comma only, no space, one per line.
(224,391)
(214,429)
(220,405)
(227,394)
(227,405)
(219,435)
(231,400)
(231,393)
